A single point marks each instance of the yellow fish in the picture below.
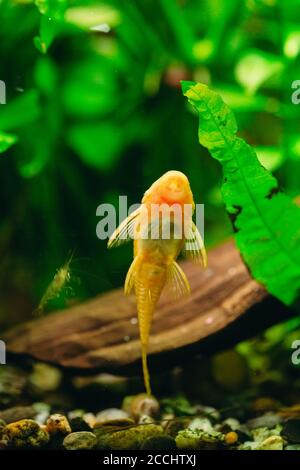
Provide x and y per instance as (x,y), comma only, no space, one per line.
(162,227)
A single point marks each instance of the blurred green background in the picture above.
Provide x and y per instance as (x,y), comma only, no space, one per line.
(95,110)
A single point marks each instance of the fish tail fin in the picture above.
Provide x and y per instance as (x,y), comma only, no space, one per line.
(145,313)
(146,301)
(146,374)
(148,290)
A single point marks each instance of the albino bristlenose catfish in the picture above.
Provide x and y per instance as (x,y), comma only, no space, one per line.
(162,227)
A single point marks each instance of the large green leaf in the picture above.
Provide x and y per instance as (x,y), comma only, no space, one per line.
(21,111)
(257,67)
(91,16)
(266,221)
(6,141)
(90,88)
(52,12)
(98,144)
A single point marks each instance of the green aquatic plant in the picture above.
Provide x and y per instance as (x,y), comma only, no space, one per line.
(6,141)
(266,221)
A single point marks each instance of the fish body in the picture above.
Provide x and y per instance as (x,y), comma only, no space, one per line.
(162,228)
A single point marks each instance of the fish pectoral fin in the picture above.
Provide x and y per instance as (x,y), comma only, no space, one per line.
(130,277)
(125,231)
(194,246)
(177,281)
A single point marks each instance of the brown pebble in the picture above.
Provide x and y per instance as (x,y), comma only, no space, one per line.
(58,424)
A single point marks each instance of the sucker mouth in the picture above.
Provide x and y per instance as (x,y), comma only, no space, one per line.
(175,194)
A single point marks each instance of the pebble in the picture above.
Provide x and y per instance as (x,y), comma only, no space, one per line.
(16,413)
(233,423)
(163,442)
(128,439)
(90,419)
(12,384)
(173,426)
(272,443)
(4,441)
(199,440)
(45,378)
(119,423)
(81,440)
(261,434)
(230,370)
(166,418)
(249,445)
(293,447)
(58,424)
(26,433)
(291,430)
(111,414)
(3,435)
(268,420)
(76,414)
(201,424)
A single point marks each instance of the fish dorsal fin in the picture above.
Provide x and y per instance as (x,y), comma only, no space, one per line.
(125,231)
(177,281)
(194,246)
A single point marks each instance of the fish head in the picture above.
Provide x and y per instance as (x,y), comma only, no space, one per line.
(174,187)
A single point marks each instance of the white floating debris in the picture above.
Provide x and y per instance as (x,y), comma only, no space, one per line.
(103,28)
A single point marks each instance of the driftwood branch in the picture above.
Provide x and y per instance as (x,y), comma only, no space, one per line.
(226,306)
